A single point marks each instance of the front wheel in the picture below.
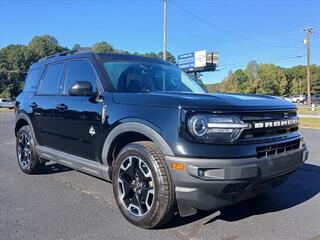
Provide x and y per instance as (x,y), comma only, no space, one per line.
(143,186)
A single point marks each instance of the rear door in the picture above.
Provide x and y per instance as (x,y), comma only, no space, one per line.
(43,103)
(78,121)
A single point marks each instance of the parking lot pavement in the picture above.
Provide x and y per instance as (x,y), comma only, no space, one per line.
(61,203)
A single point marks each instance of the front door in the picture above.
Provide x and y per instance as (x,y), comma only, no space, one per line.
(78,119)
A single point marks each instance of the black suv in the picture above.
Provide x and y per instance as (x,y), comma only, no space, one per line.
(166,144)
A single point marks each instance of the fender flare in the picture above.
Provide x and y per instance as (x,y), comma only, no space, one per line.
(24,116)
(134,127)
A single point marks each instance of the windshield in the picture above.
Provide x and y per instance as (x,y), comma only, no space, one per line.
(149,77)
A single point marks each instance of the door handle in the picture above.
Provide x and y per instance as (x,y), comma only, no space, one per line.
(62,107)
(33,105)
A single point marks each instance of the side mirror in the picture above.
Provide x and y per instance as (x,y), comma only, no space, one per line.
(81,88)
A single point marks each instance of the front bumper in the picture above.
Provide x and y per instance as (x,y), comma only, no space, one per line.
(214,183)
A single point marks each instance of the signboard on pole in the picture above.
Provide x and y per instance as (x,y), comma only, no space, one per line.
(200,58)
(199,61)
(186,61)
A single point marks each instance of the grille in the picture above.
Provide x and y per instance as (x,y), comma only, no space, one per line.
(277,148)
(248,134)
(254,133)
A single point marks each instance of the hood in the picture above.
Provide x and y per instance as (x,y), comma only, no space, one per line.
(218,101)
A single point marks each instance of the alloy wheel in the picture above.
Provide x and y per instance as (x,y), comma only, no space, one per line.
(136,186)
(24,150)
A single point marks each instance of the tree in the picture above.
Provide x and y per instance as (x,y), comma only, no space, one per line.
(271,80)
(315,79)
(14,63)
(240,79)
(42,46)
(252,71)
(170,58)
(213,87)
(76,46)
(103,47)
(228,84)
(297,82)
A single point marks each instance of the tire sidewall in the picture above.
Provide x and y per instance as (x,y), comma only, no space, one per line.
(140,152)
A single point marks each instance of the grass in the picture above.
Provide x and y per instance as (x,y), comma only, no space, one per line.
(308,111)
(310,123)
(6,110)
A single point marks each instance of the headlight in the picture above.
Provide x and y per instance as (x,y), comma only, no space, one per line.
(215,128)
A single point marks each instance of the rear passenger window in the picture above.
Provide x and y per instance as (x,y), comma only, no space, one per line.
(32,80)
(50,83)
(79,71)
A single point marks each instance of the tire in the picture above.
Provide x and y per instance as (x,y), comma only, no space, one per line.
(145,160)
(28,159)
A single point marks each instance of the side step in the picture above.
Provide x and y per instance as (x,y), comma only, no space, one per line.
(74,162)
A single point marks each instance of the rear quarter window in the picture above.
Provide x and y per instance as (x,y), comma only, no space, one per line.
(32,80)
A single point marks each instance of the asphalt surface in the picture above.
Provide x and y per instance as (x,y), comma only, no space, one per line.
(61,203)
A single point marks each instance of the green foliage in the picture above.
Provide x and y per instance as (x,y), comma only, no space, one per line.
(214,87)
(76,46)
(252,72)
(315,78)
(43,46)
(170,58)
(240,80)
(103,47)
(229,84)
(271,79)
(14,63)
(15,60)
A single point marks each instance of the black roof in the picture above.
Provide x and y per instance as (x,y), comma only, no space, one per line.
(75,54)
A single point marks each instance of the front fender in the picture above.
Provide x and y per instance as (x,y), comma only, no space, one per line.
(141,128)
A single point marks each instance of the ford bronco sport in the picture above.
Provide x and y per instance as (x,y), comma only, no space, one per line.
(165,143)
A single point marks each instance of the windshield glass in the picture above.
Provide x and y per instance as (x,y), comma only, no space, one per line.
(149,77)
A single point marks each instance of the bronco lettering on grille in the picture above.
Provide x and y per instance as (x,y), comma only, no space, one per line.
(279,123)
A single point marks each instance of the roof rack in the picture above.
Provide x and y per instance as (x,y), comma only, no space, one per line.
(69,52)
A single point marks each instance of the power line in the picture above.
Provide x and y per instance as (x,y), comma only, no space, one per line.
(261,61)
(270,37)
(223,29)
(267,59)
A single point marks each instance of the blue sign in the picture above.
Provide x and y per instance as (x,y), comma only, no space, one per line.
(186,61)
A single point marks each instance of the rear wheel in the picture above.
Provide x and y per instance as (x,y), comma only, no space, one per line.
(142,185)
(28,159)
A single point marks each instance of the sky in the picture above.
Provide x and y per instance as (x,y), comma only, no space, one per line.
(268,31)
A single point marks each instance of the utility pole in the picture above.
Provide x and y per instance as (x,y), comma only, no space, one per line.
(307,42)
(164,29)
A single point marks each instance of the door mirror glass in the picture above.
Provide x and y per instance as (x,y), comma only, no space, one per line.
(81,88)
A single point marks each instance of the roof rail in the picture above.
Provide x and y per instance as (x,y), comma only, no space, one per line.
(69,52)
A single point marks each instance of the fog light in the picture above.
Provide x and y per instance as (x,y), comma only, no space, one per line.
(201,172)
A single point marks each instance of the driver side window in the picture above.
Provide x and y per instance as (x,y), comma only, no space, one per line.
(79,71)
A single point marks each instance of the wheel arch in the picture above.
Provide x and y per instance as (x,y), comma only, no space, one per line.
(140,131)
(22,119)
